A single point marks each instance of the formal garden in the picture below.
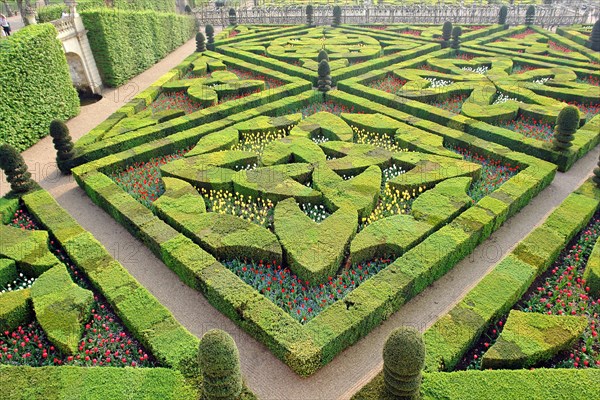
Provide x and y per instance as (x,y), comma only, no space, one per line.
(302,187)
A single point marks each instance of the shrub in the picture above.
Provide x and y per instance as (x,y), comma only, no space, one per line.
(502,15)
(403,360)
(567,123)
(323,56)
(219,360)
(456,32)
(126,43)
(35,89)
(337,15)
(200,42)
(530,15)
(324,82)
(15,169)
(63,145)
(232,17)
(446,33)
(210,36)
(595,37)
(309,14)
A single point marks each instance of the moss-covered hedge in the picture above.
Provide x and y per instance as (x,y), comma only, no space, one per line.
(125,43)
(34,89)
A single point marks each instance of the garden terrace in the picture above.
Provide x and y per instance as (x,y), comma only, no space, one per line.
(302,220)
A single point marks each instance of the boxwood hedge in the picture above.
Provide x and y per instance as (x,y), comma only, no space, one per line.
(34,90)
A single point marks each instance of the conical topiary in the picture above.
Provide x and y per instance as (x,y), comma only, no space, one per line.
(63,145)
(324,82)
(309,15)
(567,123)
(530,15)
(403,360)
(200,42)
(595,37)
(446,34)
(232,17)
(596,177)
(456,32)
(219,361)
(15,169)
(323,55)
(502,15)
(337,15)
(210,37)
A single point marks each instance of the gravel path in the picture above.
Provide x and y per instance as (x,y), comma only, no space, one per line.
(266,375)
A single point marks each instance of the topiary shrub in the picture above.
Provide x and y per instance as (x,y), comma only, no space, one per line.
(502,15)
(456,32)
(530,15)
(219,361)
(337,15)
(210,37)
(596,177)
(232,17)
(595,37)
(403,361)
(200,42)
(567,123)
(323,56)
(15,169)
(309,15)
(324,82)
(63,145)
(446,34)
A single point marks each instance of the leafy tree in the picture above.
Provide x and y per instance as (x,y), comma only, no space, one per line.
(200,42)
(232,17)
(502,15)
(323,55)
(337,15)
(210,36)
(309,15)
(530,15)
(324,82)
(219,361)
(595,37)
(15,169)
(403,360)
(456,32)
(63,145)
(446,33)
(567,123)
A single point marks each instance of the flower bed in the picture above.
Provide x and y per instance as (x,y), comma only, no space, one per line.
(452,104)
(390,84)
(530,128)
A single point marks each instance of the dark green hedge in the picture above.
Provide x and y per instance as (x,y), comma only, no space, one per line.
(126,43)
(35,85)
(54,11)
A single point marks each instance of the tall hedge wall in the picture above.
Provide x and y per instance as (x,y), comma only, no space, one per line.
(156,5)
(54,11)
(35,85)
(126,43)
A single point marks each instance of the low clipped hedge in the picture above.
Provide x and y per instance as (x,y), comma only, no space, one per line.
(148,320)
(576,384)
(62,383)
(35,90)
(126,43)
(453,334)
(592,271)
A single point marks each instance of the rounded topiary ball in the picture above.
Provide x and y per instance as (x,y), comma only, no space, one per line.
(63,144)
(200,42)
(15,169)
(567,124)
(323,55)
(595,36)
(596,177)
(219,361)
(403,361)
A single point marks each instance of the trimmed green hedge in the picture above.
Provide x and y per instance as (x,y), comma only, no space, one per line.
(54,11)
(126,43)
(16,309)
(148,320)
(63,383)
(34,90)
(592,271)
(575,384)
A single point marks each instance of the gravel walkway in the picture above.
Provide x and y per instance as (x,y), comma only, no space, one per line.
(266,375)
